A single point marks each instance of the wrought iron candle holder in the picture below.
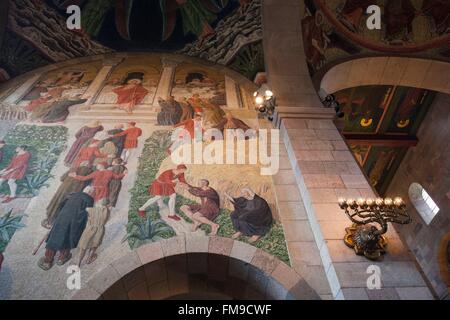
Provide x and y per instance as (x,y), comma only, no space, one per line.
(364,236)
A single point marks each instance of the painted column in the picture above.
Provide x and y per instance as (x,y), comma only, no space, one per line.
(231,89)
(20,92)
(95,87)
(166,80)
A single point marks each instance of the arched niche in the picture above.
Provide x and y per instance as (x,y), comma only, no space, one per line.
(418,197)
(196,267)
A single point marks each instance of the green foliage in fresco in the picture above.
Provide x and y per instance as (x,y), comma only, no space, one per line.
(8,226)
(150,229)
(249,61)
(152,156)
(45,145)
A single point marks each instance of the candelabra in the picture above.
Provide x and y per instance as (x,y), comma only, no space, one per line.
(331,102)
(364,236)
(265,102)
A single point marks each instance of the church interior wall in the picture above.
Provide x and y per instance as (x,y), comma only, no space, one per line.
(427,164)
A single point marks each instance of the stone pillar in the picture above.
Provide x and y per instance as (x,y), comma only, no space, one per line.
(232,95)
(20,92)
(166,80)
(326,170)
(95,87)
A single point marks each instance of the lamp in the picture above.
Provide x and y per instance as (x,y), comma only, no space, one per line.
(364,236)
(331,102)
(265,102)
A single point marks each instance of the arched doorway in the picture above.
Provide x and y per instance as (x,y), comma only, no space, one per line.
(201,276)
(223,269)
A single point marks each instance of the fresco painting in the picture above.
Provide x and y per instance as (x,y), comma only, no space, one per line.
(360,152)
(195,28)
(28,154)
(334,30)
(381,164)
(200,90)
(90,188)
(50,99)
(131,84)
(206,199)
(384,112)
(364,107)
(78,190)
(197,93)
(412,106)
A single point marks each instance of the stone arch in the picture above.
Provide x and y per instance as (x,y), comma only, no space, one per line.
(186,264)
(397,71)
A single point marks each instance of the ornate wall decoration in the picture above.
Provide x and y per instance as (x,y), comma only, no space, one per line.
(335,31)
(219,32)
(239,30)
(51,35)
(112,157)
(381,123)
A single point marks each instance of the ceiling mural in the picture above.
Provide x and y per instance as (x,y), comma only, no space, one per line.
(381,123)
(98,145)
(335,30)
(226,32)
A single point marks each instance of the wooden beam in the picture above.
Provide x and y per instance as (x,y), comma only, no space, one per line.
(381,140)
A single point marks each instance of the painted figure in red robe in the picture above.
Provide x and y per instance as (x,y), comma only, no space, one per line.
(16,170)
(82,136)
(89,154)
(131,93)
(100,181)
(164,186)
(131,134)
(193,126)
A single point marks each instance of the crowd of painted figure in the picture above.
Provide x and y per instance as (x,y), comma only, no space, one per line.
(50,100)
(252,216)
(80,208)
(196,113)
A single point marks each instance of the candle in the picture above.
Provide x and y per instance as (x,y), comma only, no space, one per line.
(398,201)
(361,202)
